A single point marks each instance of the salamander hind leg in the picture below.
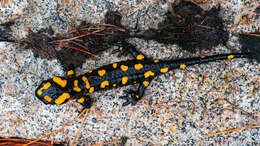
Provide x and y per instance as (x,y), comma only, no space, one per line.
(85,101)
(133,97)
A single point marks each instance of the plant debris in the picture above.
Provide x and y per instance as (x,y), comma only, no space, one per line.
(85,41)
(231,130)
(251,43)
(198,1)
(5,31)
(40,44)
(19,141)
(189,26)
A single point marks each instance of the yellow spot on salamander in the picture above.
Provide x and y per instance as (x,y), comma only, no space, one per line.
(156,61)
(81,100)
(90,71)
(203,56)
(61,99)
(196,64)
(114,65)
(77,89)
(39,92)
(145,83)
(45,86)
(47,98)
(164,70)
(70,73)
(124,80)
(137,96)
(148,74)
(76,83)
(114,85)
(140,57)
(104,84)
(60,82)
(138,66)
(121,48)
(134,82)
(124,68)
(85,79)
(182,66)
(230,56)
(102,72)
(91,90)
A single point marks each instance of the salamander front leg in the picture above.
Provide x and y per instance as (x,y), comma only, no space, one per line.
(120,50)
(126,48)
(71,71)
(133,97)
(85,101)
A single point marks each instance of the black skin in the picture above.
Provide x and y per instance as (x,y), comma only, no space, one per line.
(114,76)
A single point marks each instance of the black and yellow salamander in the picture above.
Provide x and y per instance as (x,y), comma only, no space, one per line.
(141,70)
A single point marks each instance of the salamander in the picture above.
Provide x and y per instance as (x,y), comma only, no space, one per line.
(141,70)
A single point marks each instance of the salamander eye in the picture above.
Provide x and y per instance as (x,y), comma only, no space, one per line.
(48,92)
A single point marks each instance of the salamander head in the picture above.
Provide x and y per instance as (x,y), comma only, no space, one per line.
(53,91)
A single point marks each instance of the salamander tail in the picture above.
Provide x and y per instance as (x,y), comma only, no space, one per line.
(251,44)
